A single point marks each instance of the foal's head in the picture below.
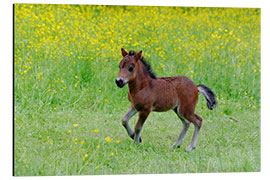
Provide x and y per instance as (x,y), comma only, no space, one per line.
(127,68)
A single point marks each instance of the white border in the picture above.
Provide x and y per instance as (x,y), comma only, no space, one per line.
(6,82)
(198,3)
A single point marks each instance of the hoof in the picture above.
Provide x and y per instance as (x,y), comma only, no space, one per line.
(189,148)
(140,139)
(174,145)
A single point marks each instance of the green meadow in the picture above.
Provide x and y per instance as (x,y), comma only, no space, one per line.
(68,108)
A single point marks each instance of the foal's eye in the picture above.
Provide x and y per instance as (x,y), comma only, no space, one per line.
(130,69)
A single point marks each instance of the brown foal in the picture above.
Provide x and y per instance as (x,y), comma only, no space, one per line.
(148,93)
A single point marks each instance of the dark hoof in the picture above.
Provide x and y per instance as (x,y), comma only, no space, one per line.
(175,146)
(132,136)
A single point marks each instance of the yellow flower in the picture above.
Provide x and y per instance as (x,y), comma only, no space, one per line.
(75,125)
(117,141)
(82,149)
(67,141)
(98,146)
(95,130)
(82,142)
(86,155)
(76,77)
(70,131)
(253,107)
(108,139)
(51,142)
(75,150)
(112,154)
(251,97)
(97,167)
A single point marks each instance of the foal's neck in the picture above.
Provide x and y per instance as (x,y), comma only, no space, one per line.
(141,80)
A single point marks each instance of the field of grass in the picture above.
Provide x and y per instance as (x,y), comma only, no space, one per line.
(68,109)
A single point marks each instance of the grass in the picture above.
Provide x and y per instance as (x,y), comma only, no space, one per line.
(224,145)
(68,109)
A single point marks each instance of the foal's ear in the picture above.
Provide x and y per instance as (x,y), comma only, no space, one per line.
(124,53)
(138,55)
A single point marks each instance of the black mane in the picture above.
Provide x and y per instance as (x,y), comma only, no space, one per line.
(145,63)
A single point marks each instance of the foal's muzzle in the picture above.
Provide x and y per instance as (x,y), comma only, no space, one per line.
(120,83)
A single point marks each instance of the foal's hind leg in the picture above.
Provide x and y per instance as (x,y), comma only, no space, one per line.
(182,134)
(186,125)
(197,121)
(125,120)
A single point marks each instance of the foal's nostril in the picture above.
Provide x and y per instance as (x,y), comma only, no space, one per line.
(119,82)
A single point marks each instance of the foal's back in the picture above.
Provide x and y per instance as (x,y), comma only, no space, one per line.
(173,91)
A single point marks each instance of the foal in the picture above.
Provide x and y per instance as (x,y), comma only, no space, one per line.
(148,93)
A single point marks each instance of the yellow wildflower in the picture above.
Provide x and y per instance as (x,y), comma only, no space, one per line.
(108,139)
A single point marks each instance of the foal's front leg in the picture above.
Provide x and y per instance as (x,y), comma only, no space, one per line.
(138,128)
(131,112)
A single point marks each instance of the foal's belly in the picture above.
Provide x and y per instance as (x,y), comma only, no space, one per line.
(165,102)
(164,107)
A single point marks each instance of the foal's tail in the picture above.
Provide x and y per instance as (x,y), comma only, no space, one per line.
(209,96)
